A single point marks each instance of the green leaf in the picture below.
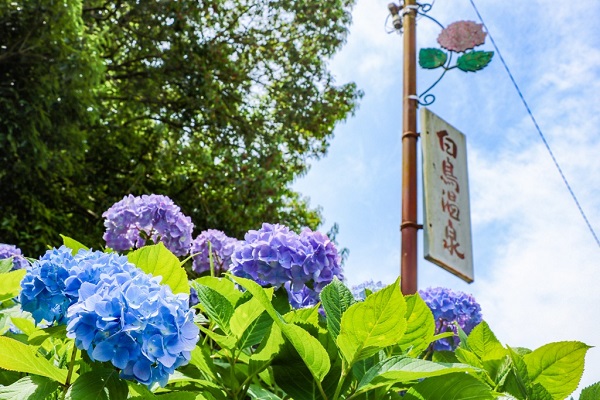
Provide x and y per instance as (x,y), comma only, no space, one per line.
(420,326)
(456,386)
(6,265)
(372,325)
(557,366)
(484,344)
(402,369)
(159,261)
(310,350)
(10,284)
(16,356)
(468,357)
(432,58)
(73,244)
(222,285)
(474,60)
(591,392)
(215,305)
(29,388)
(103,384)
(201,359)
(539,392)
(255,332)
(245,314)
(259,393)
(336,299)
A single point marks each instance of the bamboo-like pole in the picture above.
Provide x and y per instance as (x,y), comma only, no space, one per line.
(409,226)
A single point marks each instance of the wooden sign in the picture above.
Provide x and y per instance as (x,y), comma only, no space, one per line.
(447,222)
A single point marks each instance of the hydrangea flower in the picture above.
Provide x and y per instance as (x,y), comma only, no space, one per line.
(52,283)
(9,250)
(222,247)
(136,324)
(276,256)
(43,287)
(359,291)
(449,307)
(134,220)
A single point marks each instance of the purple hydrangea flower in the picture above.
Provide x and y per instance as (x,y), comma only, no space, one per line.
(131,222)
(359,291)
(276,256)
(449,307)
(222,247)
(8,251)
(52,283)
(136,324)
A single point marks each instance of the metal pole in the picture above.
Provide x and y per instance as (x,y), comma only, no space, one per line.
(409,226)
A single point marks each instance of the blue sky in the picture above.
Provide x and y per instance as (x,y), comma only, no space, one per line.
(537,266)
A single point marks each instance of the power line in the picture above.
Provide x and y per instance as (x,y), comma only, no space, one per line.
(537,127)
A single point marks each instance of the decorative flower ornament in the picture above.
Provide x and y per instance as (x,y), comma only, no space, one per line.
(461,36)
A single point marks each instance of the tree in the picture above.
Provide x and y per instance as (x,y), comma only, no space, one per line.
(48,72)
(217,104)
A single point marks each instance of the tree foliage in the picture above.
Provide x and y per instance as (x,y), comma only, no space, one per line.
(217,104)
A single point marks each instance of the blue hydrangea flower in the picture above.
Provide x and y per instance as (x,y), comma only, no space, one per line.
(133,221)
(449,307)
(136,324)
(276,256)
(52,283)
(8,251)
(222,248)
(43,287)
(359,291)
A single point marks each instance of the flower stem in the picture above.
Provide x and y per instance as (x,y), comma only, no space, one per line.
(71,367)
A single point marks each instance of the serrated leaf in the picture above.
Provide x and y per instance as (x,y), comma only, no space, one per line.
(372,325)
(245,314)
(201,359)
(16,356)
(10,284)
(431,58)
(259,393)
(420,326)
(591,392)
(539,392)
(215,305)
(468,357)
(103,384)
(255,332)
(474,60)
(484,343)
(222,285)
(73,244)
(310,350)
(400,369)
(159,261)
(456,386)
(336,299)
(557,366)
(29,388)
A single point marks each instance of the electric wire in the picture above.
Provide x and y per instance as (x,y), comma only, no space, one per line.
(539,130)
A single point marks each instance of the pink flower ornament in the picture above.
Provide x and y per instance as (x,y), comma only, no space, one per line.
(461,36)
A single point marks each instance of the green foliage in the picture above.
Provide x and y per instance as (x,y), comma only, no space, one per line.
(474,60)
(218,104)
(254,347)
(159,261)
(432,58)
